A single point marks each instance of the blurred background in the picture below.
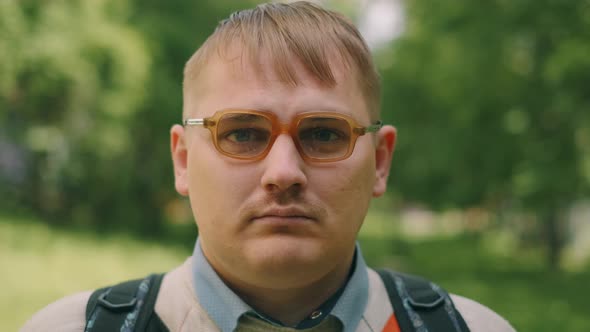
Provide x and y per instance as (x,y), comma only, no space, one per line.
(490,187)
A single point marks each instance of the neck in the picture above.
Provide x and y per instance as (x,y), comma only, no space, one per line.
(292,305)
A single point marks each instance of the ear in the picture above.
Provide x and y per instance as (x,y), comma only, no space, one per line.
(386,137)
(178,147)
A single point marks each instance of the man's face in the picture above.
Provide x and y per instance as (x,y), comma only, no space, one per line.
(280,220)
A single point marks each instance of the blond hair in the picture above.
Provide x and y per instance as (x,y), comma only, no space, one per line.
(313,35)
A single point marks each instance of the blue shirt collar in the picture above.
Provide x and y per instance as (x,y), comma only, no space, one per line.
(225,307)
(353,301)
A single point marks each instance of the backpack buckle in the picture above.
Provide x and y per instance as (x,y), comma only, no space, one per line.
(116,307)
(425,303)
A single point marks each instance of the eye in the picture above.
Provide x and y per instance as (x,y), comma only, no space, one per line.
(245,135)
(240,135)
(324,135)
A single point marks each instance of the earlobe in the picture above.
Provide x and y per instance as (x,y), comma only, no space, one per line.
(383,155)
(179,151)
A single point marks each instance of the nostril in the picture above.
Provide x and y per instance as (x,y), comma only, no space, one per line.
(280,181)
(284,195)
(283,175)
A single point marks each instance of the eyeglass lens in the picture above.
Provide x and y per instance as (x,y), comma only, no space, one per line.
(323,137)
(248,135)
(245,135)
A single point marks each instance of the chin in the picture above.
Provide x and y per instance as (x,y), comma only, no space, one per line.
(287,255)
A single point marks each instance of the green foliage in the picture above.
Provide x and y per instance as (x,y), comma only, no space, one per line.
(491,103)
(75,84)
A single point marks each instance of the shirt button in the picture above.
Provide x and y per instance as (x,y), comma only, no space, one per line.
(316,314)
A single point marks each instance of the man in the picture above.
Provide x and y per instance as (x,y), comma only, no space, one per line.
(280,151)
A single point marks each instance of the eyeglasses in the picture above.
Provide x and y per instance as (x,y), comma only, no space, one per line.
(250,134)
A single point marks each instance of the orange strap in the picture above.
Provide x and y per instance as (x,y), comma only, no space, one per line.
(392,325)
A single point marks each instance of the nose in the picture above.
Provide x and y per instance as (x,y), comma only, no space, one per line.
(283,167)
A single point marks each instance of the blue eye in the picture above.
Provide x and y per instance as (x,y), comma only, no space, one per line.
(324,135)
(246,136)
(240,135)
(321,135)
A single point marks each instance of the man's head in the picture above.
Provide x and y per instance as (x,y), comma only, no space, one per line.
(280,220)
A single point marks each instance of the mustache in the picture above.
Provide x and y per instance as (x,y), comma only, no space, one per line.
(284,199)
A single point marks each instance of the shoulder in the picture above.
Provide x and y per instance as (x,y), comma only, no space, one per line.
(67,314)
(178,306)
(480,318)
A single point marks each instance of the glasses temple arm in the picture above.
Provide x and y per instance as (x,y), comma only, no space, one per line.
(373,128)
(193,122)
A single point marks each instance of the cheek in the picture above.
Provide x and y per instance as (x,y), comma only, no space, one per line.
(215,187)
(348,191)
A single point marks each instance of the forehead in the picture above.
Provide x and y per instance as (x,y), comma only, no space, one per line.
(238,80)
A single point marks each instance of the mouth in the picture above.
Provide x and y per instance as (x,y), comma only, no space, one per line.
(283,215)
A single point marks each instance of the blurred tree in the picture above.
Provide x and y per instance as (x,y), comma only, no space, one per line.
(72,76)
(492,103)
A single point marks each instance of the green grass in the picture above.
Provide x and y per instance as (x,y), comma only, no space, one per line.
(40,264)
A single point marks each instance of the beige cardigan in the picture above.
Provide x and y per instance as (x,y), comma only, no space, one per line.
(179,309)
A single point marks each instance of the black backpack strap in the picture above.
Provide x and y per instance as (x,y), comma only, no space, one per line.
(126,307)
(420,305)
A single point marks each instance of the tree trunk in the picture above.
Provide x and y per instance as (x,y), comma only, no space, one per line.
(554,238)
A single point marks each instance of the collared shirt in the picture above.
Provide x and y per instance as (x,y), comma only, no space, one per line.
(225,307)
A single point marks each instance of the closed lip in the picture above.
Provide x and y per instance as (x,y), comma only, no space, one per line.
(287,213)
